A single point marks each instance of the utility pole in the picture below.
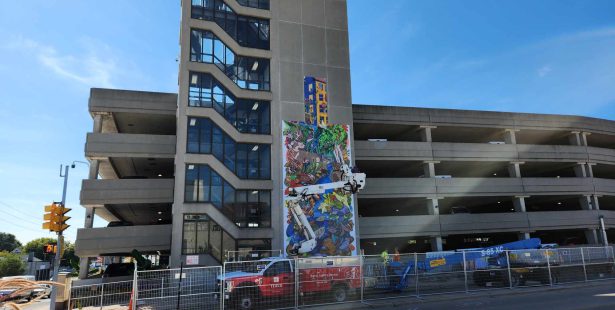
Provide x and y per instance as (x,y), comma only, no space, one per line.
(59,245)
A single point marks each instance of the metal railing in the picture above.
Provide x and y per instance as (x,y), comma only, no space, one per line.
(276,283)
(101,295)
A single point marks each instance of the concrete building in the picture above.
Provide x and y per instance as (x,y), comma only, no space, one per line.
(447,179)
(191,176)
(217,143)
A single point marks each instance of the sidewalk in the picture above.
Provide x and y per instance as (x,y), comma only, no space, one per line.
(413,302)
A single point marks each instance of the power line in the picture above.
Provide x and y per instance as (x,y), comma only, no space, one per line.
(19,216)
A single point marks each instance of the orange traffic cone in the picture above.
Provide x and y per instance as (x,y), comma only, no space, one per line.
(132,294)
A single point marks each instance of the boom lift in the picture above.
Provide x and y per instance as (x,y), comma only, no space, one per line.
(350,182)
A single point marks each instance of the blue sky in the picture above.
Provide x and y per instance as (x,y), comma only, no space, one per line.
(531,56)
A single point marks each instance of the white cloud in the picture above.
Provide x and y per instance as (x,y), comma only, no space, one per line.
(94,68)
(544,70)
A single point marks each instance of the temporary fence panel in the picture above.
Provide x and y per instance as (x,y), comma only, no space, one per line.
(327,280)
(599,263)
(440,272)
(248,255)
(112,294)
(179,288)
(567,265)
(487,270)
(389,276)
(263,283)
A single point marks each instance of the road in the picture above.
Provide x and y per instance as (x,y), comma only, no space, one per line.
(600,295)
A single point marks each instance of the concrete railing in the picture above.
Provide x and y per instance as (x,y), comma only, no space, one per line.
(108,240)
(430,187)
(121,191)
(446,224)
(104,145)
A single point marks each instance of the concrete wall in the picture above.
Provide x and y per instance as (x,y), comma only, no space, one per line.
(125,191)
(105,145)
(93,242)
(442,225)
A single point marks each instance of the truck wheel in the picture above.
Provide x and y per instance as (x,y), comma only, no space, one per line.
(246,300)
(340,293)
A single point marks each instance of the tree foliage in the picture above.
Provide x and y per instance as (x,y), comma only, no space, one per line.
(37,246)
(8,242)
(11,264)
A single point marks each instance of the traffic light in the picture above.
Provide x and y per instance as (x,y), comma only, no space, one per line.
(55,218)
(50,249)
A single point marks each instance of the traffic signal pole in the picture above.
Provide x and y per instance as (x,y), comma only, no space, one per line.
(59,246)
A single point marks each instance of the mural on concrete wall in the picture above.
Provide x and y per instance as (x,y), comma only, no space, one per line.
(314,155)
(316,101)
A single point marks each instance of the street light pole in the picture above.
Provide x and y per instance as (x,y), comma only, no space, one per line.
(59,244)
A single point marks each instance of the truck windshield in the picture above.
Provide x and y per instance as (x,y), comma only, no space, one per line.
(253,267)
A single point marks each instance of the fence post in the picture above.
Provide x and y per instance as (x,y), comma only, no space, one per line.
(361,262)
(135,286)
(416,273)
(583,262)
(179,285)
(297,278)
(612,255)
(510,284)
(222,285)
(465,271)
(102,294)
(549,267)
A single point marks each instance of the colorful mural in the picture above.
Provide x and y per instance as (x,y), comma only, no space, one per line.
(315,100)
(314,155)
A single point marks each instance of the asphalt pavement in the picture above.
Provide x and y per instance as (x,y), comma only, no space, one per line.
(597,295)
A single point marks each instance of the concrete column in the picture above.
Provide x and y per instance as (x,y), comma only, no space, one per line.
(89,217)
(586,203)
(590,170)
(519,203)
(436,243)
(579,170)
(429,169)
(524,235)
(514,169)
(595,202)
(94,166)
(432,206)
(98,122)
(575,138)
(592,236)
(426,133)
(510,136)
(84,267)
(584,138)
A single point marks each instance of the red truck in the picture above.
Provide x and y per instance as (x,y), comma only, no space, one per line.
(273,280)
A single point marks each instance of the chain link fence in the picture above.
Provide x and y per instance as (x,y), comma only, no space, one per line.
(179,288)
(280,283)
(112,295)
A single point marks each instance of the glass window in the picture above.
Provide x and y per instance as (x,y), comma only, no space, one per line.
(201,235)
(191,193)
(253,164)
(189,242)
(216,189)
(248,116)
(218,12)
(245,160)
(204,182)
(245,208)
(215,241)
(247,72)
(242,161)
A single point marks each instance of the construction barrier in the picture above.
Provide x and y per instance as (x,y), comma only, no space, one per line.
(279,283)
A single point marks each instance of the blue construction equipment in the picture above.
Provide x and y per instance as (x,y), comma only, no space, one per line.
(396,276)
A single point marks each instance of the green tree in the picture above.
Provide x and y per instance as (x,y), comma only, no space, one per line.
(11,265)
(8,242)
(69,259)
(37,246)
